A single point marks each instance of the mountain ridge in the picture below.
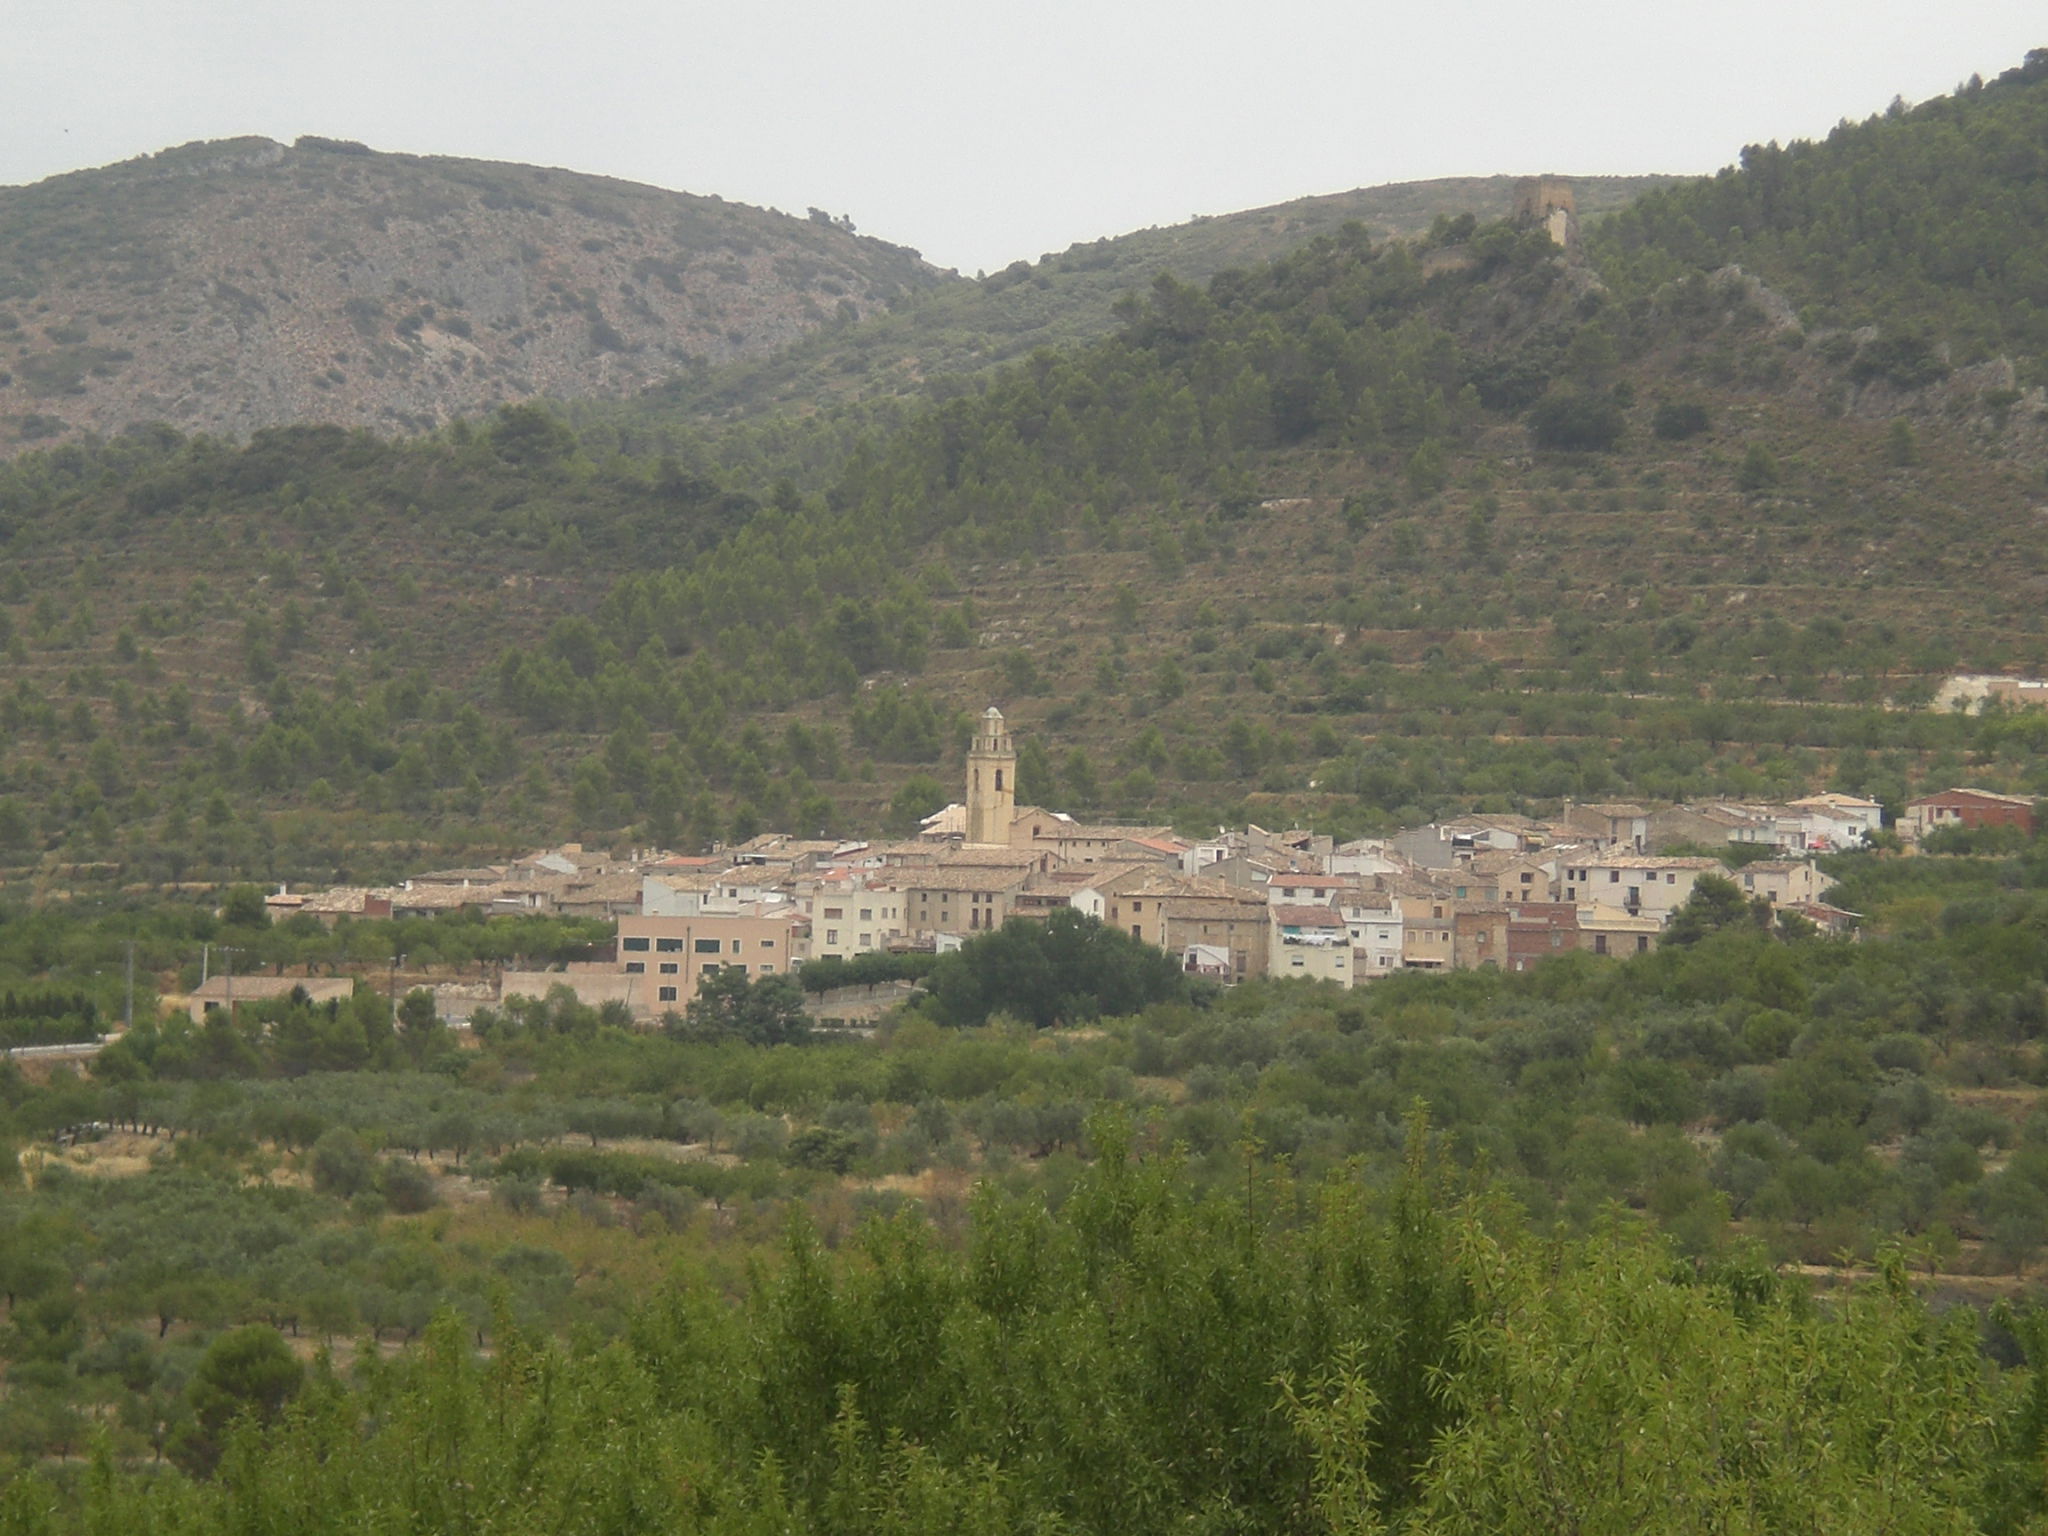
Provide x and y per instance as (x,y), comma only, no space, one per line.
(230,285)
(235,284)
(1071,295)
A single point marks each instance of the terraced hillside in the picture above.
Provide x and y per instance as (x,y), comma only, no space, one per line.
(1371,532)
(322,654)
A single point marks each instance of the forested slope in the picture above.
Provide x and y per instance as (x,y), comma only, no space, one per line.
(1370,531)
(1924,222)
(931,345)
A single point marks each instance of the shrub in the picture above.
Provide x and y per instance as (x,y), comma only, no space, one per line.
(406,1187)
(1677,420)
(1576,422)
(340,1164)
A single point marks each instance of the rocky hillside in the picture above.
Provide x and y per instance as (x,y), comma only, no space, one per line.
(241,283)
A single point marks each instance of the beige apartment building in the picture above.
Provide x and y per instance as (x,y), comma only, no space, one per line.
(854,917)
(676,953)
(1652,884)
(1427,925)
(1310,942)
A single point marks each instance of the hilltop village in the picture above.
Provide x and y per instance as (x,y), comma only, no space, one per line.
(1501,890)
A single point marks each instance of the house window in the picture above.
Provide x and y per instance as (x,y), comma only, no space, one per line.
(1642,944)
(635,967)
(633,944)
(669,946)
(1599,943)
(669,968)
(735,946)
(831,935)
(1614,877)
(767,970)
(835,911)
(706,946)
(867,941)
(867,914)
(767,943)
(665,994)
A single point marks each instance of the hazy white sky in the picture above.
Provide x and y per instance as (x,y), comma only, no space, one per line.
(984,133)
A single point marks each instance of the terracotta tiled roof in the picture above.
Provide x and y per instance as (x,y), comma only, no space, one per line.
(1647,861)
(965,878)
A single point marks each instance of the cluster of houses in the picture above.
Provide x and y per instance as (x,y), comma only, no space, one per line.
(1500,890)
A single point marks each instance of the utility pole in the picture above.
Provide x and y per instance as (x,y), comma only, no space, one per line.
(205,958)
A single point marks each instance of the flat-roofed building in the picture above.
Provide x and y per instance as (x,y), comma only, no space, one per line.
(1605,930)
(854,916)
(230,992)
(1309,941)
(1427,929)
(676,953)
(1378,934)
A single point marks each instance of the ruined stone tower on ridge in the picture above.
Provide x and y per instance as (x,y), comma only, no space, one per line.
(1548,200)
(991,783)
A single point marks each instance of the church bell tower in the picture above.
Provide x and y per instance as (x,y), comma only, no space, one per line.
(991,783)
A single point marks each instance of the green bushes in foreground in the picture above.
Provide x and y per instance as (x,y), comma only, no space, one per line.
(1294,1357)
